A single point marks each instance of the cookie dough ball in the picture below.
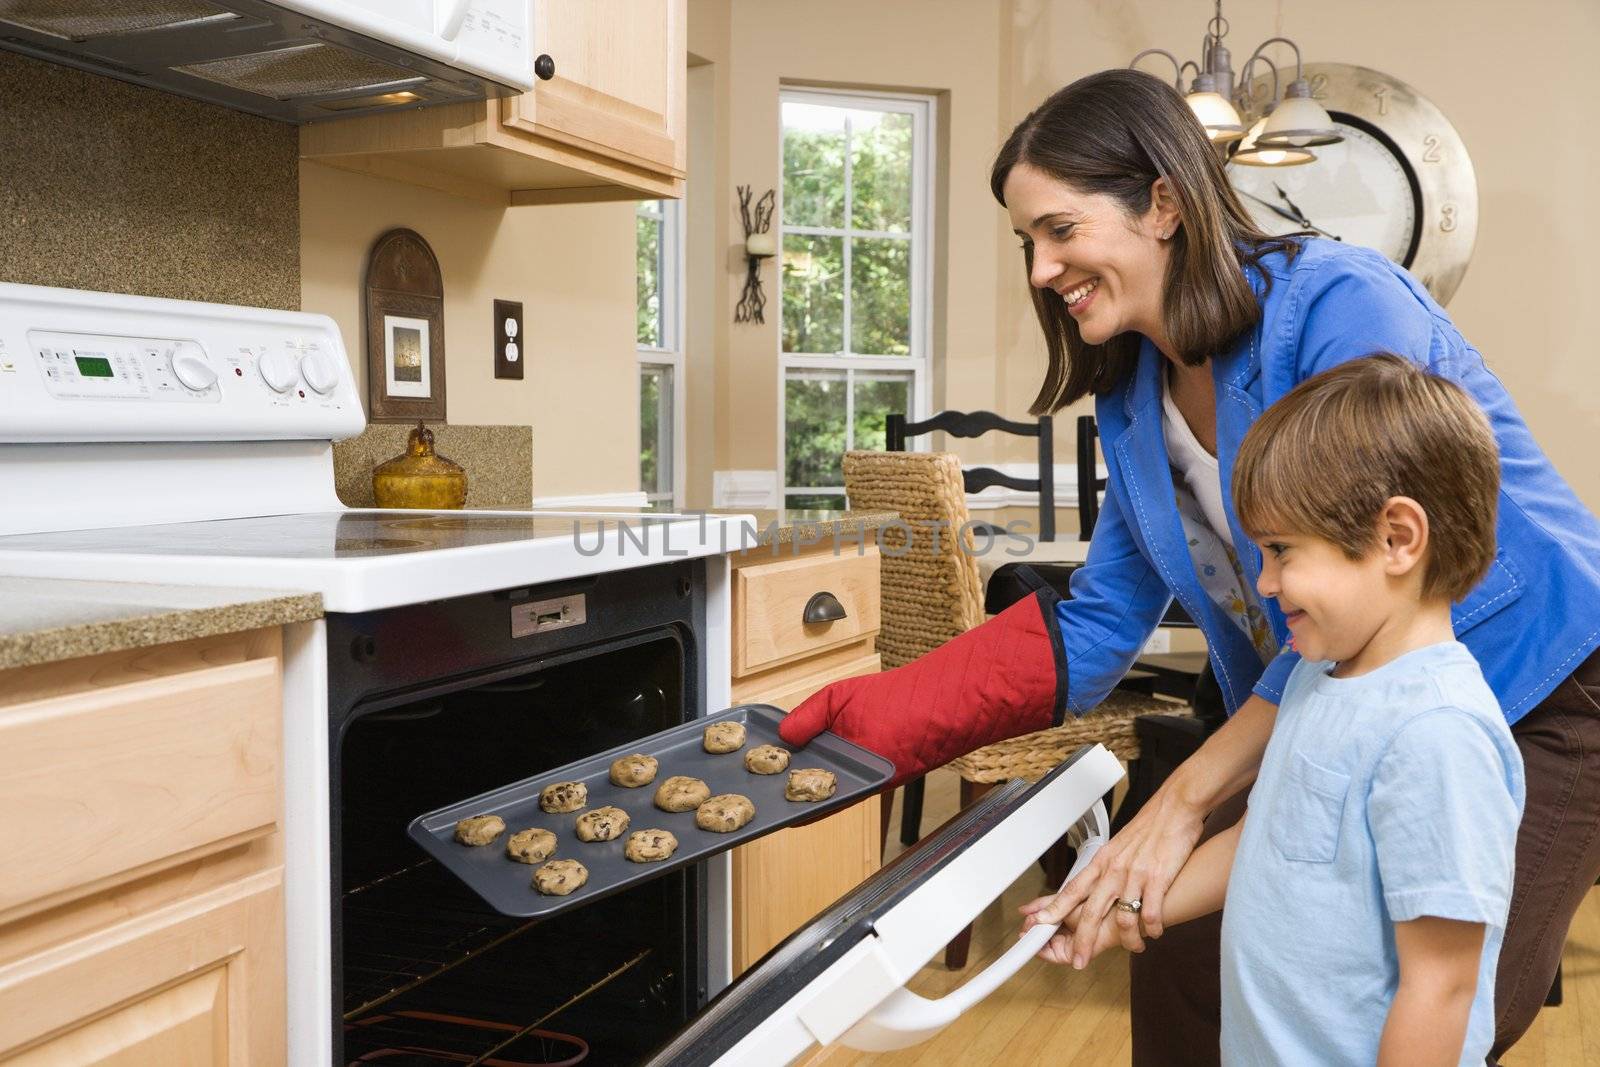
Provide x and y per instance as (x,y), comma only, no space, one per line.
(809,785)
(766,759)
(649,846)
(633,771)
(531,846)
(480,829)
(725,813)
(564,796)
(602,824)
(724,737)
(681,793)
(560,877)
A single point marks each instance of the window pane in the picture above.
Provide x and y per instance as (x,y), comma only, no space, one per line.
(655,429)
(813,294)
(880,170)
(814,425)
(875,399)
(880,296)
(813,165)
(815,502)
(647,317)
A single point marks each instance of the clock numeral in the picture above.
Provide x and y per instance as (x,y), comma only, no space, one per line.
(1319,86)
(1430,149)
(1447,218)
(1382,94)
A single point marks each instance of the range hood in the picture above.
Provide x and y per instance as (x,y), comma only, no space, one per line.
(295,60)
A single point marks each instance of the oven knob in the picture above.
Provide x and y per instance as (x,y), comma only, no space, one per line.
(319,372)
(192,370)
(278,370)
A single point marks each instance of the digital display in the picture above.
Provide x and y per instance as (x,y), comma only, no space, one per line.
(94,366)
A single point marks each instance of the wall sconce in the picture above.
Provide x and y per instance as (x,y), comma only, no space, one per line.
(759,243)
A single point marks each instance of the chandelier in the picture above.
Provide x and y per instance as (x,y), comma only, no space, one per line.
(1288,126)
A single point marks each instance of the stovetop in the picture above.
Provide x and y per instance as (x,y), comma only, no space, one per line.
(363,560)
(327,535)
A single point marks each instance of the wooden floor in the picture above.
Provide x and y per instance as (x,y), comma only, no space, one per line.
(1054,1015)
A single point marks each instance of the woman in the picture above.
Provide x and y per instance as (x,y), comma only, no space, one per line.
(1159,296)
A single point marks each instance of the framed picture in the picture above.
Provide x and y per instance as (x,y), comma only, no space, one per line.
(405,330)
(406,367)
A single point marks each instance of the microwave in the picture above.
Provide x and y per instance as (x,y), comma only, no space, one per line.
(296,61)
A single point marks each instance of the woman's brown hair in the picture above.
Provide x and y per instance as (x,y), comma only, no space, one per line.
(1115,133)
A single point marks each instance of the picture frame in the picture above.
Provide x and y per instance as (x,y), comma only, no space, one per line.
(404,330)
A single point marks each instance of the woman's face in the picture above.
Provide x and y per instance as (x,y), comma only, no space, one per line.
(1107,266)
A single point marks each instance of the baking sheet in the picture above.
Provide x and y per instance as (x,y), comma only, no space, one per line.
(507,886)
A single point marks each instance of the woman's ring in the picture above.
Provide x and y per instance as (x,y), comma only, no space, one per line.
(1132,907)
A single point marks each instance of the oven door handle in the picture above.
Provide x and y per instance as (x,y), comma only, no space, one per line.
(904,1018)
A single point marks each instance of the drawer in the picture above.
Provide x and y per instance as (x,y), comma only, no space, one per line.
(769,603)
(198,983)
(109,784)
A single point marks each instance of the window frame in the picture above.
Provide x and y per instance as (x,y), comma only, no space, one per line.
(918,363)
(670,353)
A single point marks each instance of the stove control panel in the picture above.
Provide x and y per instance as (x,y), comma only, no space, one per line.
(81,366)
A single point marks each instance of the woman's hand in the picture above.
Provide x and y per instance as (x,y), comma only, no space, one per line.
(1059,948)
(1137,864)
(1141,861)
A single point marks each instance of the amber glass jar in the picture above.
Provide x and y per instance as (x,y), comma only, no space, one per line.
(420,478)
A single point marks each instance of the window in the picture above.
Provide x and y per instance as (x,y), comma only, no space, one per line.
(855,280)
(658,330)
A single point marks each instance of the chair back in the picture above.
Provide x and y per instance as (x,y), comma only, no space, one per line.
(977,479)
(931,591)
(1089,481)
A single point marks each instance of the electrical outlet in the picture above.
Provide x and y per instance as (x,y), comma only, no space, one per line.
(510,346)
(1159,642)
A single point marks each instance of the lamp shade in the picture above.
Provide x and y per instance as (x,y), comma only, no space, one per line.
(1221,121)
(1298,121)
(1252,154)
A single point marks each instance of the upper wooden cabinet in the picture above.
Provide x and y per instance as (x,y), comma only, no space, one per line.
(608,126)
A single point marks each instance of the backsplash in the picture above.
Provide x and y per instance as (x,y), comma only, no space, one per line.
(498,461)
(115,187)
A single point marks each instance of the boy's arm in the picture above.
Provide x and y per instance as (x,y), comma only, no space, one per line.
(1198,890)
(1438,978)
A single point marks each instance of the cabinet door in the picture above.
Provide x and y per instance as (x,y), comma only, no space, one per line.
(782,880)
(618,90)
(197,983)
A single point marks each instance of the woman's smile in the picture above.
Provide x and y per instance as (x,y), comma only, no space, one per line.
(1080,297)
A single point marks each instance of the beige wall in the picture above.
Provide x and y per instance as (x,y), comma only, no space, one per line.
(1515,88)
(572,268)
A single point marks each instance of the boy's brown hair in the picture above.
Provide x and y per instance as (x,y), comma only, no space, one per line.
(1326,457)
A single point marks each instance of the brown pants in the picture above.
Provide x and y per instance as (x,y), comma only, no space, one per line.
(1175,993)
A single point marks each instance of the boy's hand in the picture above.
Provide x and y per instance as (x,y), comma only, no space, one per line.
(1059,948)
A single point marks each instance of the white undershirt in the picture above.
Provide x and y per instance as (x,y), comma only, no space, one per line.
(1194,464)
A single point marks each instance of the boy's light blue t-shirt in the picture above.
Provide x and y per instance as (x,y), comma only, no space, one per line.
(1381,798)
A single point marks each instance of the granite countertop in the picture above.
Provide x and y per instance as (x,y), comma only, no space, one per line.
(47,619)
(806,527)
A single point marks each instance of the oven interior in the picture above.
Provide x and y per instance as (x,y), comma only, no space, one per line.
(425,972)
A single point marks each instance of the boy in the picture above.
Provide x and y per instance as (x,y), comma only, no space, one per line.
(1371,877)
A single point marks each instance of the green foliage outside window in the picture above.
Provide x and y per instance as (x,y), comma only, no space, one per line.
(647,313)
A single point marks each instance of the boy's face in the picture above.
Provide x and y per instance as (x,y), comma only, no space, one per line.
(1334,605)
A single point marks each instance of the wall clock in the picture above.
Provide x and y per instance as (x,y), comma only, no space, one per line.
(1401,180)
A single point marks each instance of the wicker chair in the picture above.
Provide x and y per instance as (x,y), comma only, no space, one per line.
(931,593)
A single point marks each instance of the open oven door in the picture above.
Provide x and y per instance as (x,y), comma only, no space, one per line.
(841,978)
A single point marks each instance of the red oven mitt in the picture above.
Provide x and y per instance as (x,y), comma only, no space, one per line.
(1003,679)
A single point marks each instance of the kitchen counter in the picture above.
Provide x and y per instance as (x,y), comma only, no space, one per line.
(43,620)
(799,528)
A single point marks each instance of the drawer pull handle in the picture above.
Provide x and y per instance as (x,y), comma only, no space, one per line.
(823,607)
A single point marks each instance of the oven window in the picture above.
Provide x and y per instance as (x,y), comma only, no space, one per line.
(429,973)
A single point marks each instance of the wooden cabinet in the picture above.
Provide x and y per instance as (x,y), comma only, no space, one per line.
(608,126)
(141,901)
(783,880)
